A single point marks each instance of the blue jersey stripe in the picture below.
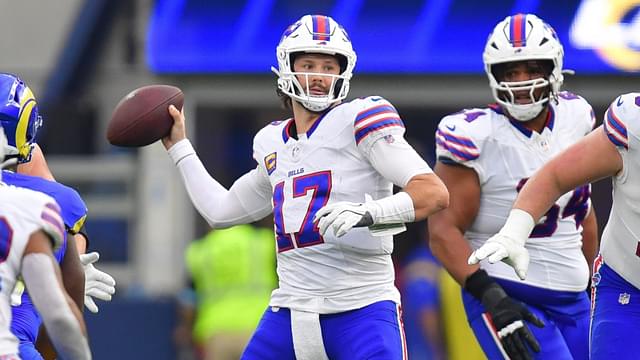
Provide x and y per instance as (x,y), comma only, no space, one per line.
(465,142)
(363,115)
(459,153)
(615,130)
(378,125)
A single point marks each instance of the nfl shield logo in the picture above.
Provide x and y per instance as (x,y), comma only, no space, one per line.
(624,298)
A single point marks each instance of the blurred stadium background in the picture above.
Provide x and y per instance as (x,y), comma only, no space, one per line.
(81,56)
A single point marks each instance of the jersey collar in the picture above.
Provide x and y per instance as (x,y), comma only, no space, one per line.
(551,119)
(286,131)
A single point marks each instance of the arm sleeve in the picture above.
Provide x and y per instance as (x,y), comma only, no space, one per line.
(248,199)
(396,160)
(62,326)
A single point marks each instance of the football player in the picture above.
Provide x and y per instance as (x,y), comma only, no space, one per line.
(20,118)
(30,223)
(485,156)
(327,175)
(610,151)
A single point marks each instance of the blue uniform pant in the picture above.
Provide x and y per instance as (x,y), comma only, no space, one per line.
(28,351)
(565,315)
(372,332)
(615,327)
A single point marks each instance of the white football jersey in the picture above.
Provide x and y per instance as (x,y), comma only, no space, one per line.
(22,212)
(505,154)
(620,245)
(327,164)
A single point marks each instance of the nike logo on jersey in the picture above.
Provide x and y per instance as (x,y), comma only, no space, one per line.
(451,127)
(619,103)
(377,98)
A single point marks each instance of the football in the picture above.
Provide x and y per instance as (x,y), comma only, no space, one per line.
(142,117)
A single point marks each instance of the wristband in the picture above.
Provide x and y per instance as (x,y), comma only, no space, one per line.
(181,150)
(518,226)
(393,209)
(484,288)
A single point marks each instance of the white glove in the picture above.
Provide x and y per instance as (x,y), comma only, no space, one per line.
(97,284)
(342,216)
(16,294)
(501,247)
(508,244)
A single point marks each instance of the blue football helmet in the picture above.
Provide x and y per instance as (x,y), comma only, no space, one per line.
(19,117)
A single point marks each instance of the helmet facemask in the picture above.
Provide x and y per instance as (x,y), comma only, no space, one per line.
(290,84)
(523,100)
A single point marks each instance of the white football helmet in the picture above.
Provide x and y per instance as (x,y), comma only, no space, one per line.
(523,37)
(316,34)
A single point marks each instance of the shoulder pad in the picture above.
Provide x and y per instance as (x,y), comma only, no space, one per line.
(459,135)
(73,208)
(579,109)
(52,223)
(374,113)
(41,210)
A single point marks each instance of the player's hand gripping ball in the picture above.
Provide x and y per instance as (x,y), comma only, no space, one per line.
(141,118)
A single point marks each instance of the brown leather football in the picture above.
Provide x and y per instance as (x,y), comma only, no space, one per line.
(142,117)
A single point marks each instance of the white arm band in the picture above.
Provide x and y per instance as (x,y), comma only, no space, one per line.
(248,199)
(393,209)
(397,161)
(519,225)
(47,295)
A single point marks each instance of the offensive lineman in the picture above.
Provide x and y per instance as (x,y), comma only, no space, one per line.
(484,157)
(323,172)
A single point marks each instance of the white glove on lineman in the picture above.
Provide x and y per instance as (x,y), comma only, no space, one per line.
(97,284)
(508,244)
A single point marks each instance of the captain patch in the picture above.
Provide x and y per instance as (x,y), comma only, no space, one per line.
(270,162)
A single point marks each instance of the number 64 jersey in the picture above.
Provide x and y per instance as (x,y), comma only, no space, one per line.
(504,154)
(22,212)
(330,163)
